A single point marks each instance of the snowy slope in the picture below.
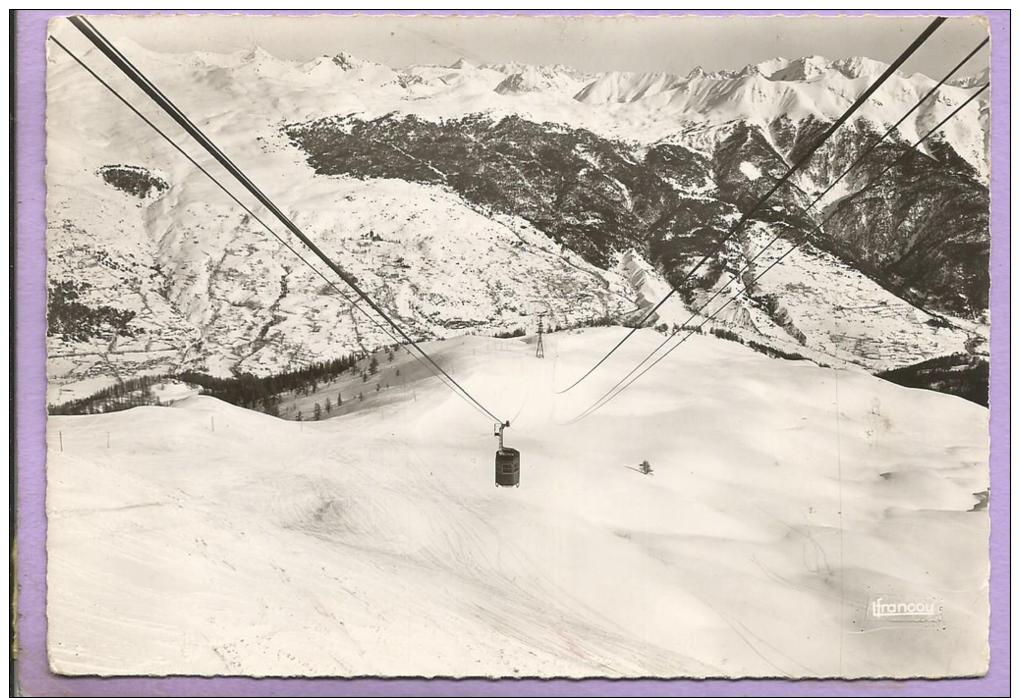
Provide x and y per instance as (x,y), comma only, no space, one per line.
(626,87)
(785,498)
(826,310)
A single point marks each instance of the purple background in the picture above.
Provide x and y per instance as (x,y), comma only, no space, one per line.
(33,673)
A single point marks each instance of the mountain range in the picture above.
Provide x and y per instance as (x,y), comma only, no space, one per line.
(468,198)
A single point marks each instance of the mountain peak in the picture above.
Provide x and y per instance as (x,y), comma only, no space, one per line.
(346,61)
(748,71)
(539,78)
(256,54)
(859,66)
(626,87)
(462,64)
(801,69)
(969,81)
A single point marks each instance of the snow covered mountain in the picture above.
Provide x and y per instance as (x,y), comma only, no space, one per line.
(626,87)
(534,78)
(468,197)
(812,87)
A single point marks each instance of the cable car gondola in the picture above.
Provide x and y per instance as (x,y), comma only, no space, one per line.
(508,462)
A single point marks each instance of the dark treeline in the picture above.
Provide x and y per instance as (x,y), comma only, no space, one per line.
(121,396)
(597,321)
(519,332)
(958,374)
(263,393)
(772,352)
(245,390)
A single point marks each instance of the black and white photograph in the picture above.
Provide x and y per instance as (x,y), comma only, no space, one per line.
(517,346)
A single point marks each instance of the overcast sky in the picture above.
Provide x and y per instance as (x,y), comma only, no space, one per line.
(674,44)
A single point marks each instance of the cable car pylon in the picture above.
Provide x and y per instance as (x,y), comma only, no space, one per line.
(540,349)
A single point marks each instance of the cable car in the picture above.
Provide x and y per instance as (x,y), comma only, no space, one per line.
(508,462)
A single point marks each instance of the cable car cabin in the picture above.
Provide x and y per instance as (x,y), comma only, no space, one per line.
(508,467)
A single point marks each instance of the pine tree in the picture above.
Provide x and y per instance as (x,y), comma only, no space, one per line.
(329,406)
(339,399)
(373,366)
(318,411)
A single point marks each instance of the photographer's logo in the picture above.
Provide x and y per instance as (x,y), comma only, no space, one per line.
(905,610)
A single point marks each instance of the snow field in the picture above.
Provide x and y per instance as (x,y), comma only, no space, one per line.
(209,539)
